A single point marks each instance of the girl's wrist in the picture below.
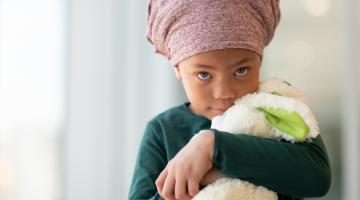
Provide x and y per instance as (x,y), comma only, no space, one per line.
(206,138)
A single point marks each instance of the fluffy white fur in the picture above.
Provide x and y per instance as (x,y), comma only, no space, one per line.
(236,189)
(244,118)
(282,87)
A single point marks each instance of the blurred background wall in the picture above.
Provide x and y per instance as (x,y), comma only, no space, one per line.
(79,81)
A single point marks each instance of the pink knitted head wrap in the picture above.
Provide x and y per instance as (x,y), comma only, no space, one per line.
(179,29)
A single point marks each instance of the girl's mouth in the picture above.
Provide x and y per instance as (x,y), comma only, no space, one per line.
(222,110)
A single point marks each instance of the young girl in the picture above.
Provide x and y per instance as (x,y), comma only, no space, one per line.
(216,48)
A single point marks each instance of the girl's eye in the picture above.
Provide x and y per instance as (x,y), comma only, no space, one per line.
(242,71)
(203,75)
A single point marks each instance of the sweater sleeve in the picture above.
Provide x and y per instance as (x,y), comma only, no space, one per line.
(151,160)
(300,169)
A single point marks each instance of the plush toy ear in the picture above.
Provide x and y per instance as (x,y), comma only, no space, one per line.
(290,123)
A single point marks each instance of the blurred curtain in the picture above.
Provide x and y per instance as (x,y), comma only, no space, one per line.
(115,85)
(351,103)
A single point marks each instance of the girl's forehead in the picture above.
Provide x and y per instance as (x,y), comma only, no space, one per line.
(224,57)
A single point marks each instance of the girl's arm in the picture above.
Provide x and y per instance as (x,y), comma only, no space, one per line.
(300,169)
(151,160)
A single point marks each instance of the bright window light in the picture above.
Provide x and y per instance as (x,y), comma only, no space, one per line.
(317,7)
(31,97)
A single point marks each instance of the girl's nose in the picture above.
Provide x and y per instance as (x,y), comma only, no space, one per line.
(224,90)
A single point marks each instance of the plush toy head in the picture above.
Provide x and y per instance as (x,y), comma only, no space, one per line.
(277,110)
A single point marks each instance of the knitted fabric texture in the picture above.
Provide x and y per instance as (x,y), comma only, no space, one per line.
(179,29)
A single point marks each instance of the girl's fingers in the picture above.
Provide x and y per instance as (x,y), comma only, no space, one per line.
(160,180)
(193,187)
(168,188)
(180,187)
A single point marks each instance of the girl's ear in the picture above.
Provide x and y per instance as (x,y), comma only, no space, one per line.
(177,72)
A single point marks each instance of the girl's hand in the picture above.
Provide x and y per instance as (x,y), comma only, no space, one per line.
(182,175)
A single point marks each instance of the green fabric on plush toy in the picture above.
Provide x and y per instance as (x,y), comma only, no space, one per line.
(290,123)
(277,111)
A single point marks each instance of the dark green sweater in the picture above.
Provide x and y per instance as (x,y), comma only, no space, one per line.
(294,171)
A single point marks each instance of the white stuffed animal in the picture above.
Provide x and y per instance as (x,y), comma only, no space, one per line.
(278,111)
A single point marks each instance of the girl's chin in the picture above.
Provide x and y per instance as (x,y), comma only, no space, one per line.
(207,112)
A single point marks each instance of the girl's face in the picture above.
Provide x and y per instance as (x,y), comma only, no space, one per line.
(214,80)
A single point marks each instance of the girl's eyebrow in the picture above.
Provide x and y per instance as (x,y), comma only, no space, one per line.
(231,65)
(242,61)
